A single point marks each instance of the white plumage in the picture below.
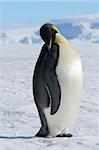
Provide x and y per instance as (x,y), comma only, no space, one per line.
(69,72)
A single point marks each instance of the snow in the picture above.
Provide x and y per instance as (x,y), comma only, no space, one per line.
(19,120)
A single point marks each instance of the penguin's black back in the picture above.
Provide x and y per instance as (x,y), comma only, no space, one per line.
(45,74)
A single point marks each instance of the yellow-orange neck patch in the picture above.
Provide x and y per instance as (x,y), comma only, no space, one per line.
(54,28)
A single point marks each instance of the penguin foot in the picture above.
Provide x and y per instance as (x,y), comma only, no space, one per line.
(42,133)
(64,135)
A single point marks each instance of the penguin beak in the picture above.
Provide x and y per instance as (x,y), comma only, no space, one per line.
(53,31)
(50,44)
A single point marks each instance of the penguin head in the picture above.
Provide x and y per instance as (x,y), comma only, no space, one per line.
(47,33)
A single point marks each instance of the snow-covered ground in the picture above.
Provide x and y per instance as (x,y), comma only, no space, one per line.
(19,120)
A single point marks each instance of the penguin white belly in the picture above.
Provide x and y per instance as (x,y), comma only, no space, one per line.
(69,73)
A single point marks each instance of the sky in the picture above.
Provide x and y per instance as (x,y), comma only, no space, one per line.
(35,12)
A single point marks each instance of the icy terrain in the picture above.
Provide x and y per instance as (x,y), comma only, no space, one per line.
(19,120)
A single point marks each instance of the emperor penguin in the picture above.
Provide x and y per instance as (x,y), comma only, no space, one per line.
(57,84)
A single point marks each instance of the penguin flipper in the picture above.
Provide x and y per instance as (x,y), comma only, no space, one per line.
(54,93)
(51,80)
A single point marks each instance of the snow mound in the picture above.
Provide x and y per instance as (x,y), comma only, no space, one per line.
(26,40)
(83,27)
(4,38)
(30,40)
